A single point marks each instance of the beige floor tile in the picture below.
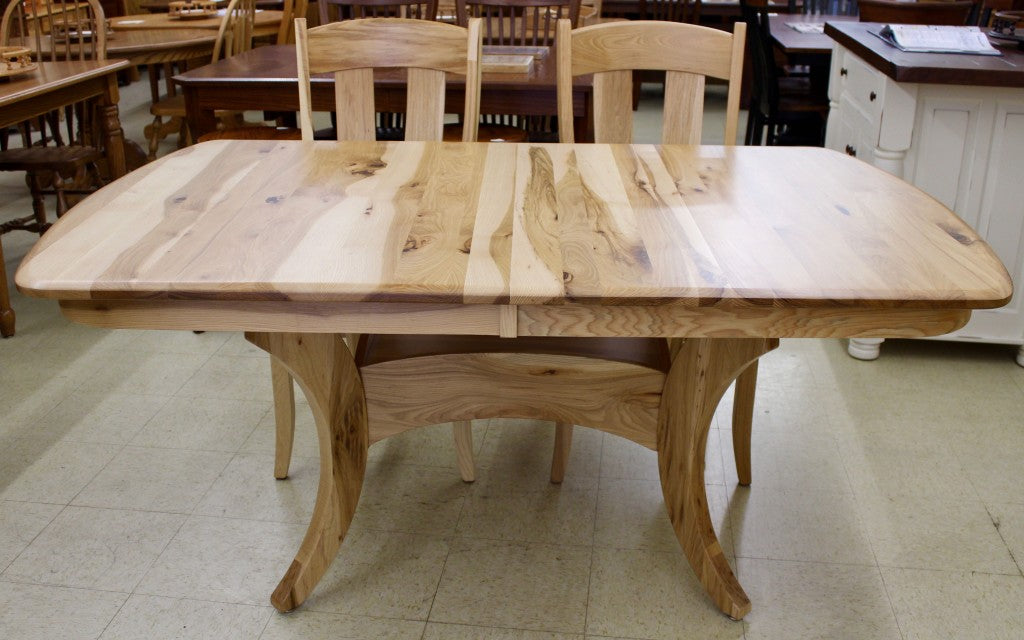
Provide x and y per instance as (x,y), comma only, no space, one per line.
(800,600)
(141,372)
(237,345)
(37,470)
(992,462)
(156,618)
(95,548)
(516,455)
(170,480)
(230,378)
(304,443)
(314,625)
(631,514)
(621,458)
(940,535)
(411,499)
(25,402)
(205,344)
(111,418)
(205,424)
(428,446)
(35,612)
(939,604)
(515,585)
(1009,519)
(247,489)
(791,461)
(20,523)
(891,467)
(651,595)
(235,561)
(553,515)
(382,574)
(436,631)
(810,526)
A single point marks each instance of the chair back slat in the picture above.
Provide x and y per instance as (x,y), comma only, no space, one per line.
(236,29)
(671,10)
(57,30)
(518,22)
(621,47)
(338,10)
(427,50)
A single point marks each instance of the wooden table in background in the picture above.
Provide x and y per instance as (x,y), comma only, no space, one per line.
(728,247)
(266,22)
(52,86)
(266,79)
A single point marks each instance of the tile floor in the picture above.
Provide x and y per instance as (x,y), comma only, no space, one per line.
(137,501)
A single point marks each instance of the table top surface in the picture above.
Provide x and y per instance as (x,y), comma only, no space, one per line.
(50,76)
(264,18)
(791,41)
(522,224)
(1006,70)
(275,65)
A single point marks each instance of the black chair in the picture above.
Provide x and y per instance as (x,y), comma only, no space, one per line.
(784,110)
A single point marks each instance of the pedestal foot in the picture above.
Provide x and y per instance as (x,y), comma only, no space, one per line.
(323,366)
(702,370)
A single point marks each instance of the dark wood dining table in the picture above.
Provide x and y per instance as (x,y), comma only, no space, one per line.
(52,86)
(266,79)
(793,43)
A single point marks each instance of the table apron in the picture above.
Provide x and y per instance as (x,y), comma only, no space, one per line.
(517,320)
(43,103)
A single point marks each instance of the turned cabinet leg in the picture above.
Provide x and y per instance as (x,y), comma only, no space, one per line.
(865,348)
(462,432)
(325,370)
(743,420)
(284,417)
(560,455)
(702,370)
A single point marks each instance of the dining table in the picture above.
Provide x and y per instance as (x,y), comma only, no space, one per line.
(266,78)
(51,86)
(265,23)
(720,250)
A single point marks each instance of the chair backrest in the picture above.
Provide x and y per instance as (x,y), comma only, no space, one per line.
(891,11)
(352,49)
(77,29)
(236,28)
(337,10)
(611,51)
(670,10)
(291,9)
(518,22)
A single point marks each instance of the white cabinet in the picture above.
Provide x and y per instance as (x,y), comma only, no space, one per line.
(962,144)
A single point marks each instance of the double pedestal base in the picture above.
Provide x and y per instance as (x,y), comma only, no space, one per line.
(681,405)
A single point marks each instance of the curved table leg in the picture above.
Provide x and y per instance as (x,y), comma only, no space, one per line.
(323,366)
(284,417)
(462,433)
(702,370)
(743,420)
(560,455)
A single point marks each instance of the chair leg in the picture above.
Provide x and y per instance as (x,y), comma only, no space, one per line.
(35,187)
(284,417)
(462,432)
(6,312)
(560,456)
(743,420)
(154,133)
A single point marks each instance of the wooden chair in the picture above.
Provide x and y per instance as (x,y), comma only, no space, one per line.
(892,11)
(784,109)
(351,50)
(234,36)
(521,23)
(59,153)
(337,10)
(292,9)
(616,382)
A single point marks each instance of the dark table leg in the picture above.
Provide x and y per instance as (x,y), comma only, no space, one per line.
(6,312)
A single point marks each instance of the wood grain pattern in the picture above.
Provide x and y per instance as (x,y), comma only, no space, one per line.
(739,229)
